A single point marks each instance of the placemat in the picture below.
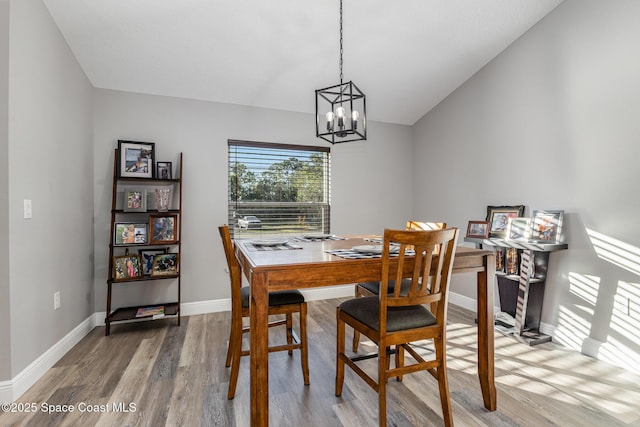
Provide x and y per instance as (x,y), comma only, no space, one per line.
(315,239)
(351,254)
(284,246)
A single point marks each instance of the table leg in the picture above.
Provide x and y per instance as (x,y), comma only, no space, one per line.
(486,358)
(259,353)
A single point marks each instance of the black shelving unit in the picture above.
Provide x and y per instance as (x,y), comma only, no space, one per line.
(522,293)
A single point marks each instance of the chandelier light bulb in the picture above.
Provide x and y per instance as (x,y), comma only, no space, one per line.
(330,116)
(341,116)
(354,119)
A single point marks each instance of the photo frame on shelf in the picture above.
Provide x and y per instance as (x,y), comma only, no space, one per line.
(478,229)
(163,229)
(163,170)
(136,159)
(135,199)
(147,256)
(127,267)
(165,265)
(518,229)
(498,218)
(546,226)
(129,233)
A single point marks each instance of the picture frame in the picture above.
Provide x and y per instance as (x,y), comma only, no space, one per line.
(163,229)
(164,170)
(136,159)
(127,267)
(134,199)
(129,233)
(147,256)
(498,218)
(165,265)
(478,229)
(519,229)
(546,226)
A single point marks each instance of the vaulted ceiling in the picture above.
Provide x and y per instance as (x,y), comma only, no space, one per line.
(406,55)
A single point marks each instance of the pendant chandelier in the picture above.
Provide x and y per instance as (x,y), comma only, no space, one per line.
(341,110)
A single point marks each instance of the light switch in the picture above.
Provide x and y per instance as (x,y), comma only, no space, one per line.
(27,209)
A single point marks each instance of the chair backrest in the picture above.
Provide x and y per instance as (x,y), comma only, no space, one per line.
(430,273)
(235,271)
(417,225)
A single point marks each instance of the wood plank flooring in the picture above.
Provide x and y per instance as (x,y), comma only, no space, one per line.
(168,375)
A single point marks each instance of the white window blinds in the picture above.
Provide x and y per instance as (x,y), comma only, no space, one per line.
(278,189)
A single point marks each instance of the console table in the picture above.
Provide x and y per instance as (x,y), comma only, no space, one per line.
(521,294)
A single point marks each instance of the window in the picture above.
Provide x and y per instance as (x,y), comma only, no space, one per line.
(278,188)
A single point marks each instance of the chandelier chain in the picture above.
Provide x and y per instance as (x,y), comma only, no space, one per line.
(341,49)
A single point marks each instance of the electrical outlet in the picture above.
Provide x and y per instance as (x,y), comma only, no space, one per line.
(56,300)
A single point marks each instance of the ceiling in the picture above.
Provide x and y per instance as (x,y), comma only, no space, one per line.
(406,56)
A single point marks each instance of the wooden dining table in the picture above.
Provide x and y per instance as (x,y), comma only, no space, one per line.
(310,265)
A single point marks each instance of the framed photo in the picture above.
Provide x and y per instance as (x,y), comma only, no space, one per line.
(127,267)
(147,256)
(518,229)
(165,265)
(136,159)
(163,170)
(163,228)
(478,229)
(498,218)
(128,233)
(546,226)
(135,200)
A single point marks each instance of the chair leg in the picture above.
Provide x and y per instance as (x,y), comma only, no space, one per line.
(356,334)
(289,317)
(304,350)
(236,351)
(230,347)
(383,365)
(443,383)
(399,359)
(340,327)
(388,359)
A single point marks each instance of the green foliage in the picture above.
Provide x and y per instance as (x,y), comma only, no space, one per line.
(290,180)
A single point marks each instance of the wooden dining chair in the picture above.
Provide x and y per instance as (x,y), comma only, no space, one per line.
(369,289)
(397,320)
(280,302)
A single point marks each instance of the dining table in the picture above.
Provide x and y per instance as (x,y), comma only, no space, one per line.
(311,263)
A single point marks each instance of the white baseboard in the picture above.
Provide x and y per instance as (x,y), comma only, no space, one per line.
(13,389)
(547,329)
(466,302)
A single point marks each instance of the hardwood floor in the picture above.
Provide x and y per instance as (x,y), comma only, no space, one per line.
(163,374)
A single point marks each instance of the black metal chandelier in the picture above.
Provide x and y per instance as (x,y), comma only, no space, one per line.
(341,110)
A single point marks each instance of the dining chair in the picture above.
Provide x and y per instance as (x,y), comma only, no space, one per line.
(369,289)
(398,320)
(285,303)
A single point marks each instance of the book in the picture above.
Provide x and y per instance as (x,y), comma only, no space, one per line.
(156,311)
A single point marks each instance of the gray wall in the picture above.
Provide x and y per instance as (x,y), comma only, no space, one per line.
(5,336)
(552,123)
(371,183)
(50,162)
